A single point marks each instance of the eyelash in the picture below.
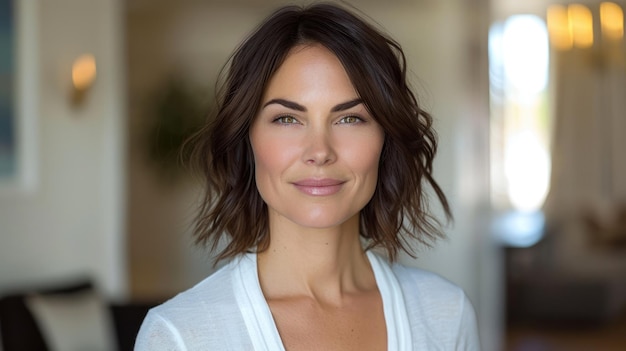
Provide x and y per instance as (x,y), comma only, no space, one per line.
(281,120)
(357,119)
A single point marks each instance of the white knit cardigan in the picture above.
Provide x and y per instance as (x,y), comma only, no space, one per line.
(227,311)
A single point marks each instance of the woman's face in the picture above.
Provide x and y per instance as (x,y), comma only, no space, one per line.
(316,148)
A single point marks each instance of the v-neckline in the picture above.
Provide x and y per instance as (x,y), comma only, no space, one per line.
(262,328)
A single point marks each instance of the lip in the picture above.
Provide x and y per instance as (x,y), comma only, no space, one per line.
(319,187)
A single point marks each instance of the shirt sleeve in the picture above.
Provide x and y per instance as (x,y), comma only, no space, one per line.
(158,334)
(467,336)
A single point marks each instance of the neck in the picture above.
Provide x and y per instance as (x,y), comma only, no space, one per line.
(319,263)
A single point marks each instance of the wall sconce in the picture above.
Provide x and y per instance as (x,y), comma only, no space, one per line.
(83,77)
(572,26)
(612,22)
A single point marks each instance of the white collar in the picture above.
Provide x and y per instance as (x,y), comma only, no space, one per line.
(262,329)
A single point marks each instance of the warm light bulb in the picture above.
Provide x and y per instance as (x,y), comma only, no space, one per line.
(611,21)
(84,72)
(581,25)
(558,27)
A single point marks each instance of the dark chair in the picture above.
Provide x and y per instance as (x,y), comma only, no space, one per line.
(19,330)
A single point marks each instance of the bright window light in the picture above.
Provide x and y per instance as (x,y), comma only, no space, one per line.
(527,170)
(520,229)
(520,120)
(525,53)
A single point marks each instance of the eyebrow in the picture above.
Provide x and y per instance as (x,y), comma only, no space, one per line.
(296,106)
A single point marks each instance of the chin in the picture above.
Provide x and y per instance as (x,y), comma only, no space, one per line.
(321,219)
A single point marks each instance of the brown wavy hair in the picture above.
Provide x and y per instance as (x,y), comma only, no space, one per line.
(232,207)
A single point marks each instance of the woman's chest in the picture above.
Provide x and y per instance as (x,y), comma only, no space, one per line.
(356,325)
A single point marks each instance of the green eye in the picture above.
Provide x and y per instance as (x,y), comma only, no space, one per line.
(350,120)
(287,120)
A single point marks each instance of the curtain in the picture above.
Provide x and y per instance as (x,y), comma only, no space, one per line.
(589,134)
(586,205)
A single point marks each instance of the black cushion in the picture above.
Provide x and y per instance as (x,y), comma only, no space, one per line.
(18,327)
(19,330)
(127,319)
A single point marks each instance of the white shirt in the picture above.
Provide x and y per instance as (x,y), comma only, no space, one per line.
(227,311)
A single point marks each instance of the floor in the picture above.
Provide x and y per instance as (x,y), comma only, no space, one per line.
(610,337)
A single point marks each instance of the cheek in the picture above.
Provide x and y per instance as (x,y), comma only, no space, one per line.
(364,156)
(271,156)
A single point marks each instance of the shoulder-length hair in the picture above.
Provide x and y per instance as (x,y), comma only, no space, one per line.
(398,211)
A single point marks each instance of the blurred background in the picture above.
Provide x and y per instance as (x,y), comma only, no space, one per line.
(95,212)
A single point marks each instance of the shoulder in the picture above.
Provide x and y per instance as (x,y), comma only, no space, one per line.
(202,316)
(439,311)
(431,288)
(208,296)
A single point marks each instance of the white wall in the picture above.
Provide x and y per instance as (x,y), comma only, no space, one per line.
(71,221)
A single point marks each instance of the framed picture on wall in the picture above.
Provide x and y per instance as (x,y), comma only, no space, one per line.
(18,95)
(8,149)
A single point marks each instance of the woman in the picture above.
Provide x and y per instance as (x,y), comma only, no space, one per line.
(318,154)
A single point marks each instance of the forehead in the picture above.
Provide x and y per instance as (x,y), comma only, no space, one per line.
(310,68)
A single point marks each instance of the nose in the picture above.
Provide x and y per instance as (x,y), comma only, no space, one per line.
(320,149)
